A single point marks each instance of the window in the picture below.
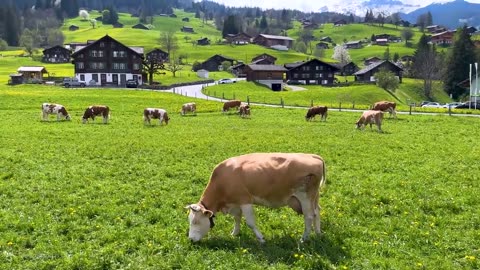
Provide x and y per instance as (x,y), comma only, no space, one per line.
(97,65)
(95,77)
(82,78)
(102,44)
(318,67)
(80,55)
(295,75)
(306,68)
(119,54)
(324,81)
(80,65)
(318,75)
(95,53)
(330,75)
(305,76)
(136,66)
(119,66)
(100,53)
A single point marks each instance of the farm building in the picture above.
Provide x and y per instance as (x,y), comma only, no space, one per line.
(264,59)
(214,63)
(312,72)
(367,74)
(238,39)
(353,45)
(73,27)
(203,41)
(321,45)
(443,38)
(56,54)
(140,26)
(347,69)
(269,75)
(157,55)
(271,40)
(187,29)
(32,73)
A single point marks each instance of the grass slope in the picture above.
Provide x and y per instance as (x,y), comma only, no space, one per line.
(112,196)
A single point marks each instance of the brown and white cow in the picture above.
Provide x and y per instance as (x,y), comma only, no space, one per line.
(320,110)
(189,107)
(96,110)
(370,117)
(268,179)
(154,113)
(244,110)
(59,110)
(386,106)
(227,105)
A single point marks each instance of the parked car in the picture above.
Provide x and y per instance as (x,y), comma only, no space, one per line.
(223,81)
(73,82)
(423,103)
(294,82)
(452,105)
(132,84)
(432,105)
(469,104)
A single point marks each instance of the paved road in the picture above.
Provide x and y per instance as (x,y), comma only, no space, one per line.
(195,91)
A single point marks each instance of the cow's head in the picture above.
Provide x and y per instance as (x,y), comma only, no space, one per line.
(67,117)
(201,221)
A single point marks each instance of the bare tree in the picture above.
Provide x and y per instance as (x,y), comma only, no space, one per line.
(426,65)
(174,65)
(168,41)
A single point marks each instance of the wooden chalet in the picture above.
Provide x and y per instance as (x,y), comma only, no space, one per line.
(326,39)
(157,55)
(367,74)
(203,41)
(73,27)
(140,26)
(269,75)
(443,38)
(264,59)
(30,73)
(271,40)
(214,63)
(186,19)
(340,22)
(371,60)
(56,54)
(347,69)
(353,45)
(108,62)
(238,39)
(117,25)
(312,72)
(381,41)
(239,70)
(187,29)
(322,45)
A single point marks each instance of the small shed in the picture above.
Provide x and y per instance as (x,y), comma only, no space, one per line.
(16,79)
(202,73)
(187,29)
(32,73)
(117,25)
(140,26)
(186,19)
(73,27)
(203,41)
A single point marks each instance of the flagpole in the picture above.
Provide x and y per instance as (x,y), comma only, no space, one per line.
(471,87)
(476,83)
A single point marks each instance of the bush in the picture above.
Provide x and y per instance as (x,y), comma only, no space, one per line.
(3,45)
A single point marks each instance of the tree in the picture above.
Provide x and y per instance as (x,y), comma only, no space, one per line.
(226,65)
(106,16)
(458,61)
(27,40)
(168,41)
(93,23)
(407,34)
(396,19)
(396,57)
(386,54)
(429,19)
(386,79)
(3,45)
(422,22)
(83,14)
(12,27)
(55,37)
(263,22)
(229,26)
(301,47)
(319,53)
(341,54)
(174,65)
(426,65)
(152,66)
(306,36)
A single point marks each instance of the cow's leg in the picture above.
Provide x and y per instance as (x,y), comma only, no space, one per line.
(45,116)
(237,215)
(308,213)
(59,116)
(247,210)
(316,218)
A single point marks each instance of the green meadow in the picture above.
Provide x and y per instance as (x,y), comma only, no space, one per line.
(95,196)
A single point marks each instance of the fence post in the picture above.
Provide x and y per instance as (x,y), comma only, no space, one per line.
(223,95)
(248,100)
(281,102)
(410,109)
(353,104)
(449,110)
(340,107)
(311,103)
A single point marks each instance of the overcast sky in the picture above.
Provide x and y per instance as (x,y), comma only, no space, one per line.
(315,5)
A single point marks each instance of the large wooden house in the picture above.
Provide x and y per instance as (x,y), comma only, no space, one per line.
(238,39)
(443,38)
(157,56)
(214,63)
(367,74)
(312,72)
(269,75)
(56,54)
(271,40)
(108,62)
(264,59)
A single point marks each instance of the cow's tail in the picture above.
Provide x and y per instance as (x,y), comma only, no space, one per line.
(323,181)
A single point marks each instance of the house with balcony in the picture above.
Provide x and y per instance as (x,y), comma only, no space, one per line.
(312,72)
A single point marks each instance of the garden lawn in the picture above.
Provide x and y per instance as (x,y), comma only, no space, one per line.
(96,196)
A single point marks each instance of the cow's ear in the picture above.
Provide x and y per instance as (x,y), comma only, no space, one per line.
(207,212)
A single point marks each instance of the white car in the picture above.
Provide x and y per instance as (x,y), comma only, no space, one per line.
(432,105)
(452,105)
(223,81)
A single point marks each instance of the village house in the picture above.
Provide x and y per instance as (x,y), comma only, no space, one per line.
(214,63)
(187,29)
(264,59)
(271,40)
(185,19)
(238,39)
(203,41)
(140,26)
(311,72)
(347,69)
(340,22)
(108,62)
(32,73)
(381,41)
(73,27)
(322,45)
(443,38)
(117,25)
(56,54)
(157,55)
(371,60)
(367,74)
(326,39)
(239,70)
(269,75)
(353,45)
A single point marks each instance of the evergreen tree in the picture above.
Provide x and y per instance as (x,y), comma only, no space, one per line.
(263,22)
(386,54)
(229,26)
(12,26)
(429,19)
(458,63)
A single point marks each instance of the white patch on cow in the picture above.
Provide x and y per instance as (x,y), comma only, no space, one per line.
(199,223)
(249,214)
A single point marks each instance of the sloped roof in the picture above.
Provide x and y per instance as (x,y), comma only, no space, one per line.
(276,37)
(137,50)
(298,64)
(374,66)
(267,67)
(32,69)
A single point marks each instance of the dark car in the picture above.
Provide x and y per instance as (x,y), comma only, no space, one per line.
(468,105)
(132,84)
(294,82)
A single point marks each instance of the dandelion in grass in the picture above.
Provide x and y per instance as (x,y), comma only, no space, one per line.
(419,264)
(470,258)
(244,250)
(10,243)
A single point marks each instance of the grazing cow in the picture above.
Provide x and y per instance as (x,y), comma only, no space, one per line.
(268,179)
(231,104)
(244,110)
(96,110)
(154,113)
(370,117)
(59,110)
(189,107)
(320,110)
(386,106)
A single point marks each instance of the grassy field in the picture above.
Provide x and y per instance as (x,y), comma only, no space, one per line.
(112,196)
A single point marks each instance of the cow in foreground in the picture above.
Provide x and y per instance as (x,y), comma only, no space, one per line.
(96,110)
(154,113)
(227,105)
(189,107)
(59,110)
(370,117)
(386,106)
(268,179)
(244,110)
(313,111)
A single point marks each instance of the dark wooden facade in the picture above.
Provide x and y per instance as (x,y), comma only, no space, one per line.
(56,54)
(269,75)
(265,59)
(187,29)
(203,41)
(347,69)
(239,39)
(312,72)
(157,55)
(140,26)
(270,40)
(108,62)
(367,74)
(213,63)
